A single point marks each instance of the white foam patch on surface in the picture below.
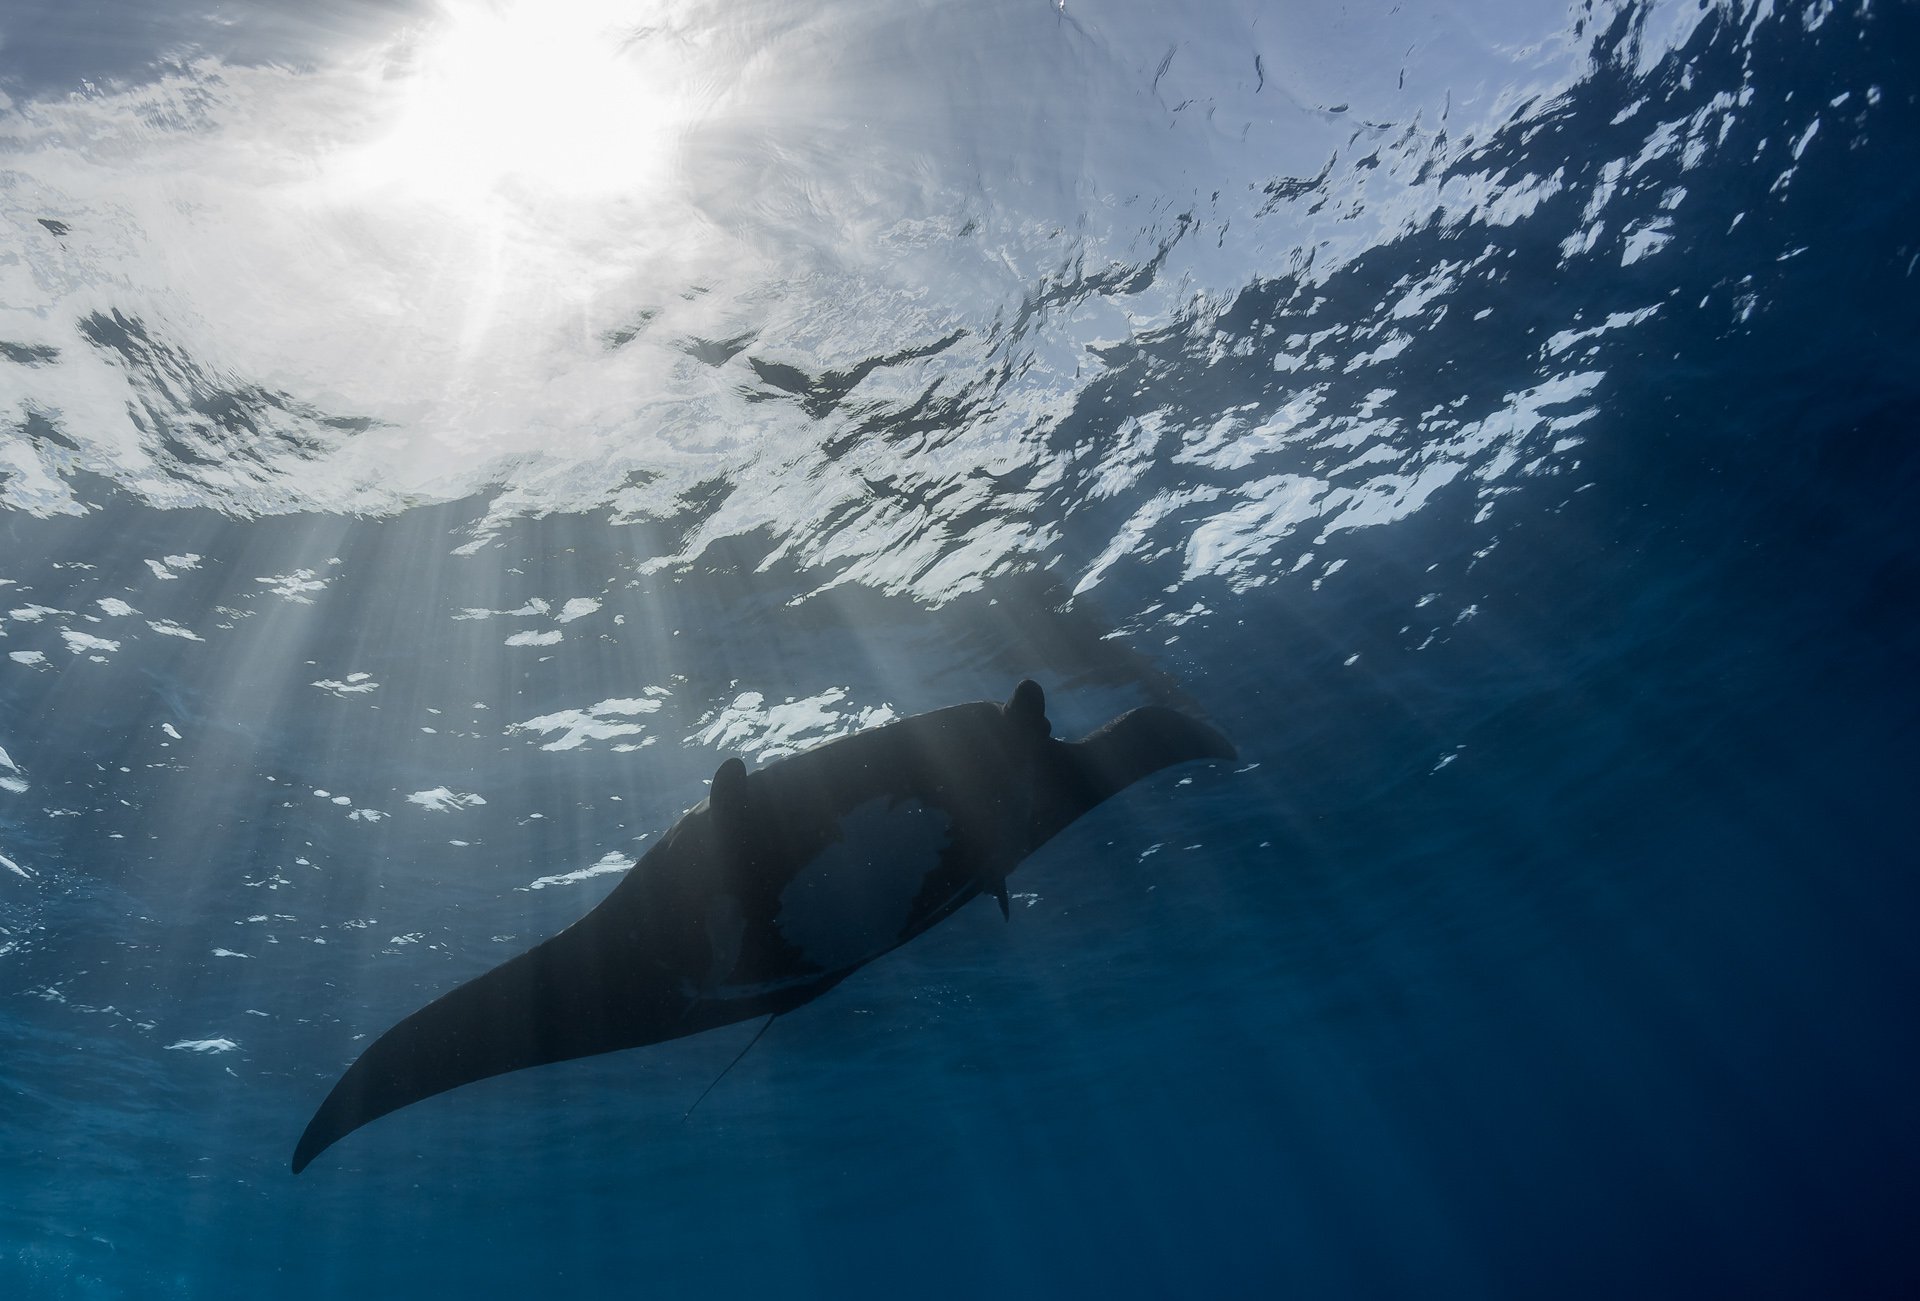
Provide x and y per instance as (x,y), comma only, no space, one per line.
(114,606)
(296,586)
(1566,339)
(168,628)
(607,865)
(203,1046)
(1645,239)
(173,566)
(749,725)
(28,657)
(598,722)
(354,684)
(441,799)
(81,642)
(578,607)
(15,868)
(548,638)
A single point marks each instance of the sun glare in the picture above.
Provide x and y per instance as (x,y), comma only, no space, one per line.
(570,101)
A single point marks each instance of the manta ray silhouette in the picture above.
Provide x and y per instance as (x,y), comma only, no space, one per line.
(771,891)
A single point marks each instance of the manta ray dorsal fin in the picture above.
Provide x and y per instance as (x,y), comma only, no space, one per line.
(998,889)
(728,795)
(1026,708)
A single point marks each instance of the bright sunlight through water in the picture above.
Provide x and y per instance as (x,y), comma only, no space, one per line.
(550,104)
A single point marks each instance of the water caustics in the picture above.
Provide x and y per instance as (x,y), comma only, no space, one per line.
(603,262)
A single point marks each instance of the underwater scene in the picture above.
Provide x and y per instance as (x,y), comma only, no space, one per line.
(1034,648)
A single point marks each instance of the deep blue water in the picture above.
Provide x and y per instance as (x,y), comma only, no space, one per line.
(1527,494)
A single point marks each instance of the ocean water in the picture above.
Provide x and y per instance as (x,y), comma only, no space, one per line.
(433,438)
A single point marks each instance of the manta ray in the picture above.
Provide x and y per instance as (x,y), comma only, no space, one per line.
(772,890)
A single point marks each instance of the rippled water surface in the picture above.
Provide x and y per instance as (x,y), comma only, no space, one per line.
(432,438)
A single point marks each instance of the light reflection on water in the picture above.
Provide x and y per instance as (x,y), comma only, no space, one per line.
(733,246)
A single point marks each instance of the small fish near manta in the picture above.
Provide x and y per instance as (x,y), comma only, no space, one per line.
(771,891)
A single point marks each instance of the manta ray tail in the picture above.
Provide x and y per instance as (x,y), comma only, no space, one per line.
(737,1059)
